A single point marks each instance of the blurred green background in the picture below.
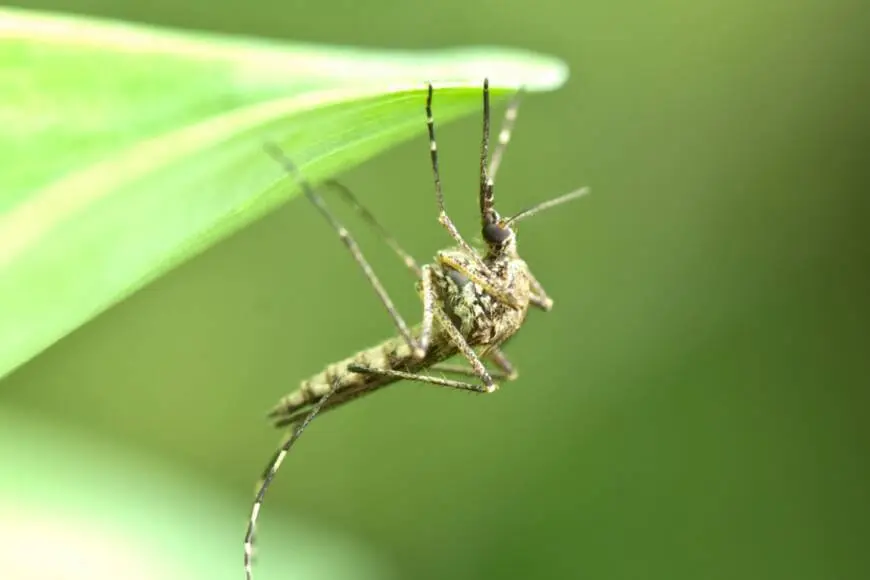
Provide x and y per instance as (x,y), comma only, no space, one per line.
(692,408)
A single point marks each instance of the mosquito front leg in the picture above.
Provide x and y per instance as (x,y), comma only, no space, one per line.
(351,245)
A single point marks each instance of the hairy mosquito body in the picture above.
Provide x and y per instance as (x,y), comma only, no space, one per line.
(473,302)
(484,323)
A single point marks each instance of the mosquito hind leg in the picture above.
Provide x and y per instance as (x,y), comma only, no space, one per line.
(272,468)
(351,245)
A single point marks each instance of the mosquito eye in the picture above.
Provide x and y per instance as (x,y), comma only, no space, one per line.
(495,234)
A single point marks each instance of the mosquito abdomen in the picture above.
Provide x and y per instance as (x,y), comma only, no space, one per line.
(390,354)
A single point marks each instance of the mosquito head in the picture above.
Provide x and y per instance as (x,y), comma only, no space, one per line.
(499,233)
(500,238)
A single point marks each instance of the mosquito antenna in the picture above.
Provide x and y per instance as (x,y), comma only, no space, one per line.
(546,205)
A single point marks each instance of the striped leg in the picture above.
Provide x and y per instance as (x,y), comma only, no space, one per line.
(504,134)
(375,224)
(420,378)
(351,245)
(443,218)
(505,370)
(272,469)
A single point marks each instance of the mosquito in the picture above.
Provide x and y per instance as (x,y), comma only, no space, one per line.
(473,302)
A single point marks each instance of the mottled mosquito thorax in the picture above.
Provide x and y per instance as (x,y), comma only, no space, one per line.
(482,318)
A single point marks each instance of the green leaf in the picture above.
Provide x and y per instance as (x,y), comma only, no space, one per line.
(129,149)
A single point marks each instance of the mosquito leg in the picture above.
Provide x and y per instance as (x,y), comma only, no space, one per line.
(270,471)
(503,364)
(455,336)
(460,369)
(373,222)
(288,409)
(429,296)
(545,303)
(504,372)
(465,349)
(460,263)
(504,134)
(539,296)
(402,375)
(351,244)
(443,218)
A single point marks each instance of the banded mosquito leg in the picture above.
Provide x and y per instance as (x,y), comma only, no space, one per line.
(376,225)
(477,368)
(351,245)
(486,200)
(539,296)
(505,371)
(420,378)
(504,134)
(272,469)
(424,274)
(504,365)
(443,218)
